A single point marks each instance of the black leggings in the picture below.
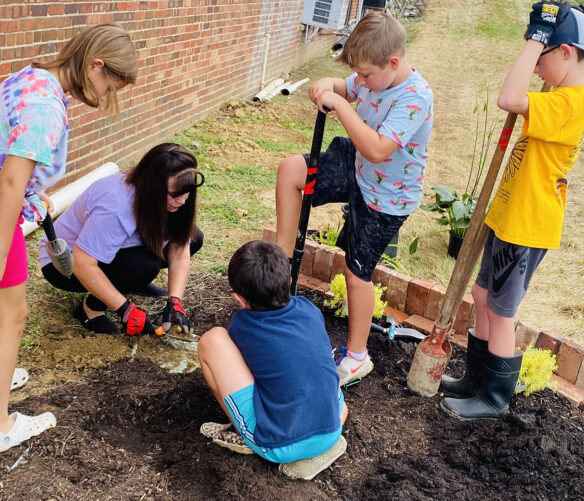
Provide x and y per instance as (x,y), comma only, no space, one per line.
(131,270)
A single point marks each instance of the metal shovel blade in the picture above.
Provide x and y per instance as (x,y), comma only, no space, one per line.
(61,256)
(400,332)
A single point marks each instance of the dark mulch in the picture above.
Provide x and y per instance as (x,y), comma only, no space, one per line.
(131,432)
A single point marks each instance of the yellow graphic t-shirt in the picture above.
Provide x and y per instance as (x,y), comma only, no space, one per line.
(528,207)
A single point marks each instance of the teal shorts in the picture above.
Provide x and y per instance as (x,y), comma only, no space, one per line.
(242,412)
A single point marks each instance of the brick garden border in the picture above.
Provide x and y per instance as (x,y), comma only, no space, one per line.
(417,304)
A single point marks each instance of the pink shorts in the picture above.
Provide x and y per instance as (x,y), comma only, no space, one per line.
(16,271)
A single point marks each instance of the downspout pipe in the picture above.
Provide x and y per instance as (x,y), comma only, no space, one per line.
(64,197)
(286,91)
(265,65)
(340,44)
(267,90)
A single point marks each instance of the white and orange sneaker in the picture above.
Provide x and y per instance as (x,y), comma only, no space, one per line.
(349,368)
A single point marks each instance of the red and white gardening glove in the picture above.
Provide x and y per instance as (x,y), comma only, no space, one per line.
(174,313)
(135,319)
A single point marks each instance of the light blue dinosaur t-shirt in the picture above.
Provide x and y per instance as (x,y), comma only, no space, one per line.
(100,222)
(404,114)
(33,125)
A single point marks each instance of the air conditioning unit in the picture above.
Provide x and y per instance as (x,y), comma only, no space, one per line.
(325,13)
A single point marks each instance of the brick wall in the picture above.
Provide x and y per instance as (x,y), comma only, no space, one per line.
(194,55)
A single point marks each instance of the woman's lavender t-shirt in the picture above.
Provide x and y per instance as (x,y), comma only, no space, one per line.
(100,222)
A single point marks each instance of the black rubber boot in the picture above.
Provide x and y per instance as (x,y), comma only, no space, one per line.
(499,380)
(470,383)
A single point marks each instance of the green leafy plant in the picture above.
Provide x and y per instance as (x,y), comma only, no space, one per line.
(536,372)
(393,261)
(456,207)
(338,287)
(327,235)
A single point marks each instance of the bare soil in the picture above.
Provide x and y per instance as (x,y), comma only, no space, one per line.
(130,430)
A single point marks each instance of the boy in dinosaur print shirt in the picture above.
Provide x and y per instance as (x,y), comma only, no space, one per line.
(378,169)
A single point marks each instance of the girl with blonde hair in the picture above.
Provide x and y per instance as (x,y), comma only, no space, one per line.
(92,67)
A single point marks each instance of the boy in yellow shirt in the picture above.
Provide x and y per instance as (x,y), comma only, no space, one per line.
(526,215)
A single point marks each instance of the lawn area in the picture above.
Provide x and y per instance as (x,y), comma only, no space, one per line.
(240,146)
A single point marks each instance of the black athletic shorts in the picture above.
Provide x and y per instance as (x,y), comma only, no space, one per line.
(366,232)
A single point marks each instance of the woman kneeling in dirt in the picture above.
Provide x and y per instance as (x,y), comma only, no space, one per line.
(123,229)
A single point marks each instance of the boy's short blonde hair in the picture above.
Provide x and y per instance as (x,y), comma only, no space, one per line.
(376,37)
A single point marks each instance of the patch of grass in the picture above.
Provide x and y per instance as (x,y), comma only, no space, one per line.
(333,128)
(277,146)
(232,202)
(504,20)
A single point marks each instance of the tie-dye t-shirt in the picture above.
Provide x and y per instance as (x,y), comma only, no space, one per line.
(404,114)
(33,124)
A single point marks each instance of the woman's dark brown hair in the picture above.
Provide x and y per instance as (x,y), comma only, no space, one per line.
(150,180)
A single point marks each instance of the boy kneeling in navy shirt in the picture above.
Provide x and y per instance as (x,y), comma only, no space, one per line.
(272,371)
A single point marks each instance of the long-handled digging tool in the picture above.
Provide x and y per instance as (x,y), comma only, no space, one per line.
(57,249)
(432,354)
(307,200)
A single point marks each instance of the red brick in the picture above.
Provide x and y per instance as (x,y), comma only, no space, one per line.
(382,275)
(419,323)
(435,302)
(269,234)
(417,298)
(569,360)
(525,335)
(464,316)
(338,264)
(548,341)
(312,283)
(397,291)
(310,248)
(568,390)
(322,264)
(400,316)
(580,379)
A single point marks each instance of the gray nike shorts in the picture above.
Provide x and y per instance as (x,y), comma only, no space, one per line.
(506,270)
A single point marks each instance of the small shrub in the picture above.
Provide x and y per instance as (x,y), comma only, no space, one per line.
(338,287)
(536,372)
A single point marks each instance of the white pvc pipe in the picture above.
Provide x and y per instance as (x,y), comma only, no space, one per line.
(65,196)
(276,91)
(291,88)
(261,95)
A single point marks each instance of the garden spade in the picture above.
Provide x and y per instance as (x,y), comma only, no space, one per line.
(433,352)
(57,249)
(307,200)
(394,331)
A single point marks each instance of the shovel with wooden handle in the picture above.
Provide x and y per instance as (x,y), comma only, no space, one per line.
(57,249)
(433,352)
